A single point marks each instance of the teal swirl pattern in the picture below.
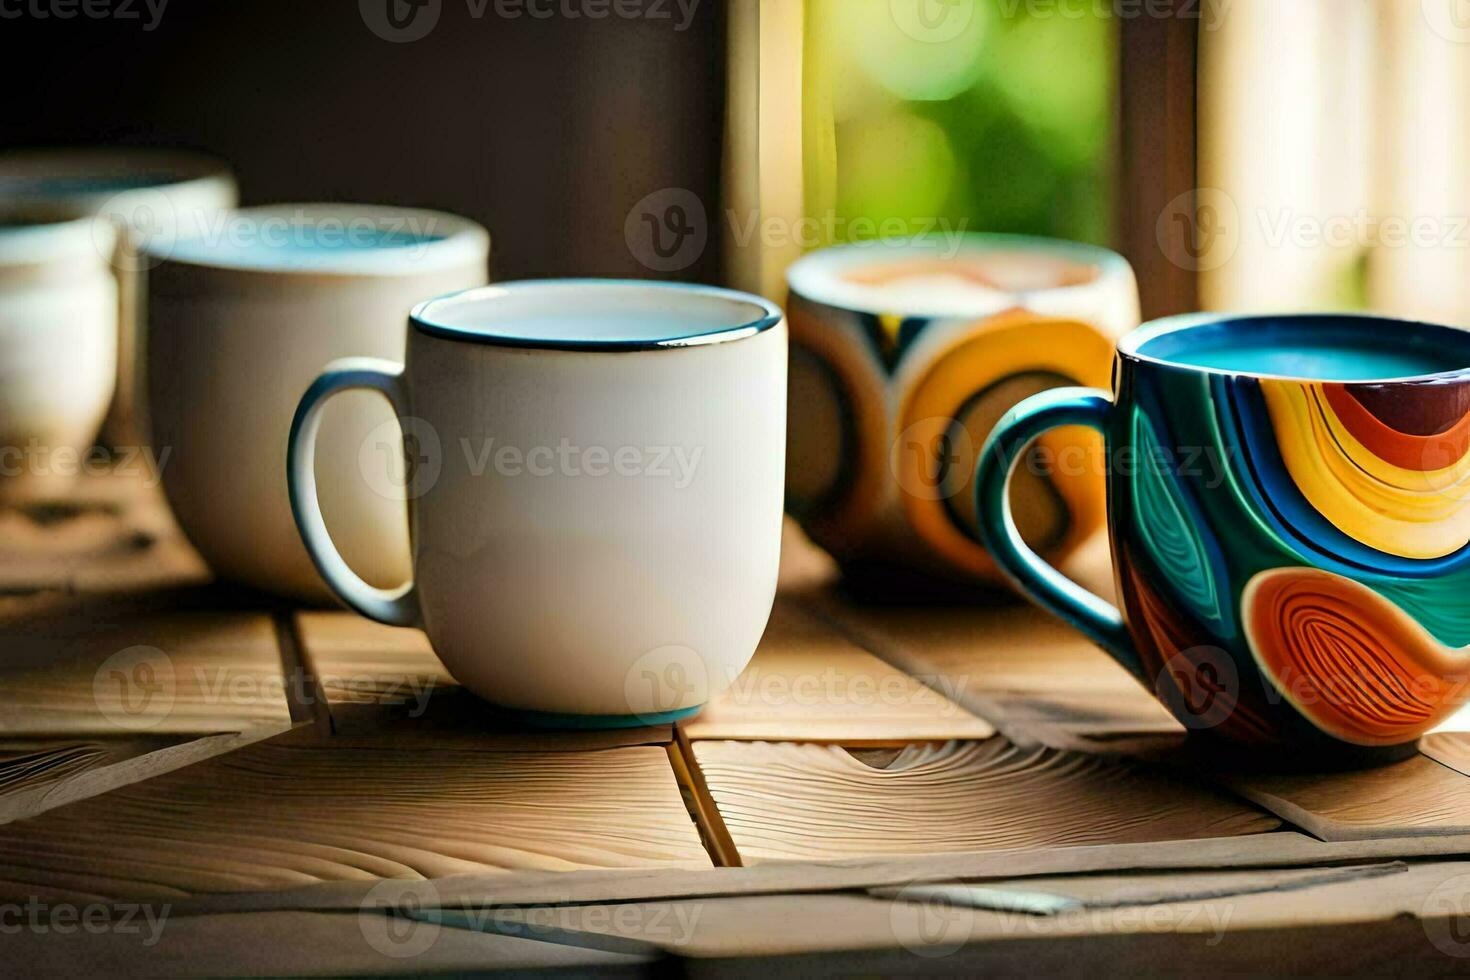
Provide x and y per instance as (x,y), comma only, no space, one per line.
(1174,536)
(1321,544)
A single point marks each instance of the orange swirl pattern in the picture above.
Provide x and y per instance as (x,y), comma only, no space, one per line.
(1396,491)
(1348,659)
(1424,452)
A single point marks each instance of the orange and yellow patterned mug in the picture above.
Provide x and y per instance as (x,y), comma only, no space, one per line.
(1289,509)
(904,353)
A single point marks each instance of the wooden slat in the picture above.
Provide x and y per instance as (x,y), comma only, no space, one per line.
(1352,925)
(1055,895)
(293,944)
(113,533)
(183,673)
(1276,849)
(787,801)
(366,673)
(37,775)
(92,702)
(1157,171)
(808,683)
(1034,677)
(1410,798)
(296,810)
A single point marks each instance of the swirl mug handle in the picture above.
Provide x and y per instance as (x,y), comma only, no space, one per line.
(1098,619)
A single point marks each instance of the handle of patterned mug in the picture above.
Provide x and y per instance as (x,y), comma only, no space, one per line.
(395,607)
(1098,619)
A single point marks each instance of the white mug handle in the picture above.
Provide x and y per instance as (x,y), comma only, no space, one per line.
(395,607)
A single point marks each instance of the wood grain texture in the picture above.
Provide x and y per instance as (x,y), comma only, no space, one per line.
(1275,849)
(297,810)
(1034,677)
(809,683)
(1410,798)
(1448,748)
(114,532)
(1053,895)
(296,944)
(788,801)
(1342,925)
(37,775)
(365,673)
(181,673)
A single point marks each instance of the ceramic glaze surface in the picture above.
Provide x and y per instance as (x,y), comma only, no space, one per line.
(593,314)
(296,245)
(58,351)
(149,196)
(1292,553)
(903,357)
(596,533)
(232,350)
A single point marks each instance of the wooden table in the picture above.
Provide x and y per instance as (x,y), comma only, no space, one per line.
(198,781)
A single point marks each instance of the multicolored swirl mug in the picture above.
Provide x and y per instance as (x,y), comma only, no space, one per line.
(903,354)
(1289,504)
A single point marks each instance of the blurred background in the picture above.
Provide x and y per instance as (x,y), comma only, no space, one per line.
(547,130)
(1241,153)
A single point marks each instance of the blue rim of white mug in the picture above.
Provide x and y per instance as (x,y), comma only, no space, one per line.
(427,317)
(89,175)
(29,239)
(818,276)
(439,241)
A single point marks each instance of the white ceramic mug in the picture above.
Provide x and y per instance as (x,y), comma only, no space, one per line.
(240,322)
(595,496)
(58,350)
(148,195)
